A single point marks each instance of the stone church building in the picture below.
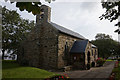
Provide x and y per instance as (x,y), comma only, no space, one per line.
(51,46)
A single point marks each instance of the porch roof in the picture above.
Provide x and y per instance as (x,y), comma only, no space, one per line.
(79,46)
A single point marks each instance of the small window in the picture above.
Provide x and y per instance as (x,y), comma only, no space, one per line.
(66,48)
(66,45)
(92,52)
(95,52)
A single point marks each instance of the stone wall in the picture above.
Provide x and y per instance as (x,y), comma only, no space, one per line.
(94,54)
(29,50)
(46,47)
(88,49)
(49,41)
(40,47)
(65,43)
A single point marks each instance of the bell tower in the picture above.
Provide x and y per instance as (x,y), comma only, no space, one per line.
(44,16)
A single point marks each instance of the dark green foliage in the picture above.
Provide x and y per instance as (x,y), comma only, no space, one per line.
(116,70)
(6,64)
(106,45)
(100,61)
(14,30)
(112,11)
(102,36)
(33,7)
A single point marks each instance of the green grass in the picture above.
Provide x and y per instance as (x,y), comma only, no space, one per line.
(11,69)
(117,71)
(109,60)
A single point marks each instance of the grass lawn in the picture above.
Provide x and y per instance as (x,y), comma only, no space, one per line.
(117,71)
(109,60)
(11,69)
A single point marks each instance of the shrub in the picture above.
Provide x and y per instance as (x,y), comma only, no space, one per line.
(58,77)
(100,61)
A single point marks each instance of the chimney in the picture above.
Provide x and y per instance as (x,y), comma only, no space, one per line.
(44,15)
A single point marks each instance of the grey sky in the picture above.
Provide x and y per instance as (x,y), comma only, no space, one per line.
(81,17)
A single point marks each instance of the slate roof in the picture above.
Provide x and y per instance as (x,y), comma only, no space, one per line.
(67,31)
(79,46)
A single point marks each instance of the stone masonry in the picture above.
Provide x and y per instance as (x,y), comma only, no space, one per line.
(48,45)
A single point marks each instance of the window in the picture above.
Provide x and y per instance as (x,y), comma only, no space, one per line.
(92,52)
(95,52)
(42,13)
(66,48)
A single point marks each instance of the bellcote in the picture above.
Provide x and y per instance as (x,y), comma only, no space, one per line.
(44,15)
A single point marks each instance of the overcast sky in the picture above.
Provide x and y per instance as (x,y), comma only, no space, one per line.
(81,17)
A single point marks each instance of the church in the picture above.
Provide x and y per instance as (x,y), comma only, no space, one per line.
(51,46)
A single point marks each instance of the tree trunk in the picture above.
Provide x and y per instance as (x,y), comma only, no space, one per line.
(3,53)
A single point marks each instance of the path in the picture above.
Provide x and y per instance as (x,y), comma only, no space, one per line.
(96,72)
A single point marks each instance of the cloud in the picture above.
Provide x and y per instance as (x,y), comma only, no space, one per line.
(88,5)
(82,18)
(78,1)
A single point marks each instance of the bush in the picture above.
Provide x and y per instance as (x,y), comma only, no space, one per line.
(100,61)
(58,77)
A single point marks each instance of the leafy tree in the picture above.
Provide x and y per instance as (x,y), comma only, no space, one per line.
(102,36)
(106,45)
(14,30)
(112,11)
(33,7)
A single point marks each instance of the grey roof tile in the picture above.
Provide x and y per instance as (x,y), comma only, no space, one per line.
(67,31)
(79,46)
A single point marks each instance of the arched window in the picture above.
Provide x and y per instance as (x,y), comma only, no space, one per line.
(95,54)
(95,51)
(66,48)
(92,52)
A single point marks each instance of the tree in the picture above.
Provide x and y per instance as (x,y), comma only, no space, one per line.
(14,30)
(112,11)
(102,36)
(33,7)
(106,45)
